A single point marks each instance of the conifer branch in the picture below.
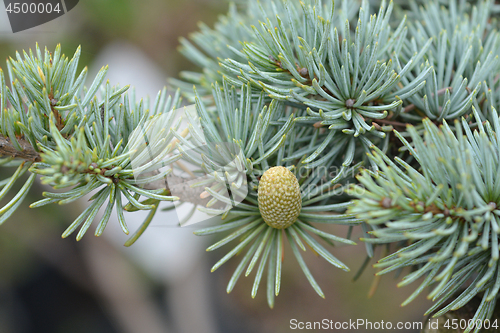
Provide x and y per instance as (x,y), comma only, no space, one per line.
(314,90)
(27,152)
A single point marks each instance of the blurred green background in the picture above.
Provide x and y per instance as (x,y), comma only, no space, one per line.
(162,283)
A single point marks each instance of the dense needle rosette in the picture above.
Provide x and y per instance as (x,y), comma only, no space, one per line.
(265,241)
(284,197)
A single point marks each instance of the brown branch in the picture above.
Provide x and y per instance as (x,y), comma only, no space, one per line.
(27,153)
(389,122)
(409,108)
(59,118)
(421,208)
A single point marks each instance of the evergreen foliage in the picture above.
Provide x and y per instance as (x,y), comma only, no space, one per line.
(75,138)
(407,92)
(442,215)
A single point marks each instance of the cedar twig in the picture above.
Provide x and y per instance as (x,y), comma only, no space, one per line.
(181,185)
(27,153)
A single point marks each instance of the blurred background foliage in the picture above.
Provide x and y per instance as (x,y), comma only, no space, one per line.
(48,284)
(153,25)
